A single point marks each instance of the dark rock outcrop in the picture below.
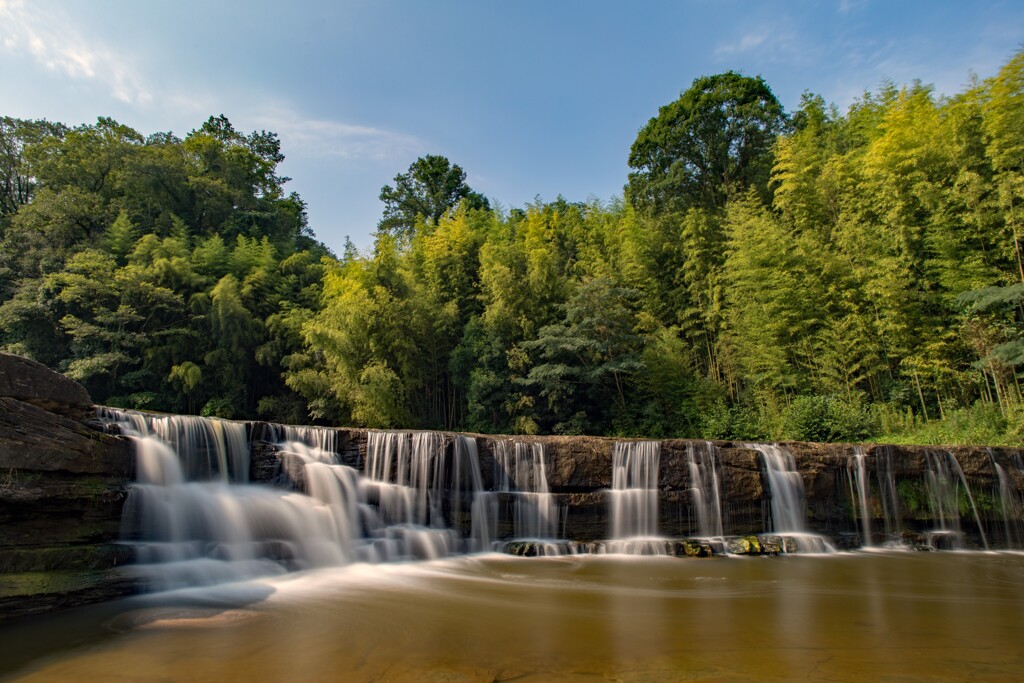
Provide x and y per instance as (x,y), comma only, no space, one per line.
(32,382)
(63,484)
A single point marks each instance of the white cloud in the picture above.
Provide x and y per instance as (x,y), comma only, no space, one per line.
(849,6)
(50,39)
(329,138)
(745,44)
(769,43)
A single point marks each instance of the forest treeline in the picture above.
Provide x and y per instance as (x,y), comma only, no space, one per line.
(817,275)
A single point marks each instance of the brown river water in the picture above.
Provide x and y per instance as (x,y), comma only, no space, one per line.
(896,616)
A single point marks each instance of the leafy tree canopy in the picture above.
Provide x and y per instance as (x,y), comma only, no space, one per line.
(430,187)
(708,146)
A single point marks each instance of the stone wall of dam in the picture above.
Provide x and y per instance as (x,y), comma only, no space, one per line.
(97,503)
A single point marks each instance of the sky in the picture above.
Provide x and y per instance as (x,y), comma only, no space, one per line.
(532,98)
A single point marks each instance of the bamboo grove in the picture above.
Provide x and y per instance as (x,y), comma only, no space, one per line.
(819,275)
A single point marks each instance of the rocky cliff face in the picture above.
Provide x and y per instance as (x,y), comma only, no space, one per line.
(63,482)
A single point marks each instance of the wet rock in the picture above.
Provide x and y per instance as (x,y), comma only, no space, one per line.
(693,547)
(771,545)
(531,548)
(744,545)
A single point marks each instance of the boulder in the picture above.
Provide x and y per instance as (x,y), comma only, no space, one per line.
(32,382)
(34,439)
(63,484)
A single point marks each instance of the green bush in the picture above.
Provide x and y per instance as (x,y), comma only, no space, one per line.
(744,423)
(983,424)
(826,418)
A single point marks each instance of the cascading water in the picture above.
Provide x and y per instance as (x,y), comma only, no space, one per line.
(1010,504)
(634,499)
(521,505)
(416,492)
(194,520)
(859,482)
(944,480)
(788,500)
(208,448)
(888,494)
(188,532)
(704,490)
(320,438)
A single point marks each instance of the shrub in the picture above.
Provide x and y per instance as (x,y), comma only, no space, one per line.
(826,418)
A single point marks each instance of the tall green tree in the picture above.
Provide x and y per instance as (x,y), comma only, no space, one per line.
(430,187)
(708,146)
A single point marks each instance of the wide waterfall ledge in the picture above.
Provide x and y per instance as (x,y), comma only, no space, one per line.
(217,500)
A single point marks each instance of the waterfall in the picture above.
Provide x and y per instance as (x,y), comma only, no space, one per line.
(704,490)
(412,483)
(634,499)
(786,487)
(315,437)
(1009,505)
(520,474)
(888,494)
(209,447)
(859,480)
(788,501)
(200,532)
(194,519)
(944,479)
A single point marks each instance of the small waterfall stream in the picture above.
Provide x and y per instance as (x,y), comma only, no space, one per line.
(521,504)
(945,482)
(704,489)
(1010,505)
(788,500)
(859,481)
(892,521)
(634,499)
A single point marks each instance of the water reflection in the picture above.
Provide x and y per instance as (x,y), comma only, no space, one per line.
(905,616)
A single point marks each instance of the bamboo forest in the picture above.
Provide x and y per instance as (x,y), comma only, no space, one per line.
(817,274)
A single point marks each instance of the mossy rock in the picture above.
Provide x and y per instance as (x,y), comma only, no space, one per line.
(744,545)
(75,557)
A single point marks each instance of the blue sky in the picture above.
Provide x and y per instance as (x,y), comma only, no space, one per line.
(531,98)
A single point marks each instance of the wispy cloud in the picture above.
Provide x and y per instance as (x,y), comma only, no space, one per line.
(330,138)
(768,43)
(47,36)
(849,6)
(746,43)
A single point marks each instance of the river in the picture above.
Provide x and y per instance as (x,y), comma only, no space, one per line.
(905,616)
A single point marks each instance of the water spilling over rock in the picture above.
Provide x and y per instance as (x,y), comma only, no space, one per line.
(634,499)
(787,499)
(194,517)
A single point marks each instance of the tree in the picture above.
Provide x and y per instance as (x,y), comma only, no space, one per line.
(430,187)
(17,185)
(585,361)
(708,146)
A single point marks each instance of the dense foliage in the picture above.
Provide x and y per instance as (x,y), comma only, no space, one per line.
(818,275)
(163,273)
